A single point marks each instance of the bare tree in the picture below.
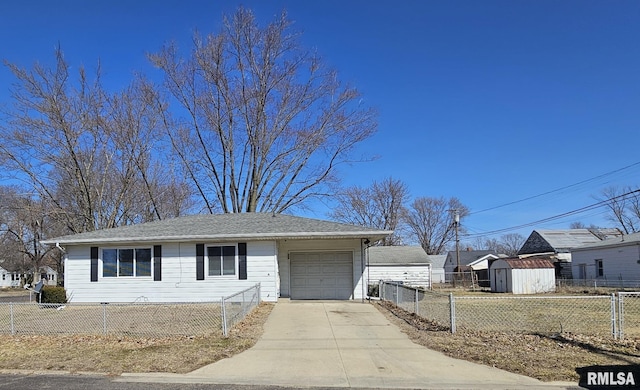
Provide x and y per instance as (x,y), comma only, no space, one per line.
(379,206)
(624,207)
(430,221)
(265,124)
(23,221)
(87,154)
(581,225)
(510,244)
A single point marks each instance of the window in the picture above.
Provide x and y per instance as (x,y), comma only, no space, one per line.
(222,260)
(599,268)
(126,262)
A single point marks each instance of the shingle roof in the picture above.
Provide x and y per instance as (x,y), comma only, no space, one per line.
(437,261)
(386,255)
(241,226)
(567,239)
(628,239)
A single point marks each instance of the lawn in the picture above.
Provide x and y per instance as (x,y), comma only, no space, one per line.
(118,354)
(586,314)
(112,319)
(548,357)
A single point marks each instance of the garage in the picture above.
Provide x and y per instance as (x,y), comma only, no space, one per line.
(321,275)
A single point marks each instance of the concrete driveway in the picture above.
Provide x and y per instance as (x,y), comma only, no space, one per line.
(344,344)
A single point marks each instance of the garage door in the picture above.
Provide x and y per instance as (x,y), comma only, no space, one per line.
(321,275)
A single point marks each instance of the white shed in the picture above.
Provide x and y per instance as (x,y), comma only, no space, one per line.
(522,276)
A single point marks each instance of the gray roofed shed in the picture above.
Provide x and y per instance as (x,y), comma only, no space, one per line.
(407,264)
(397,255)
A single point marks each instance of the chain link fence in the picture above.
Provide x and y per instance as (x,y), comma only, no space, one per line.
(138,319)
(629,314)
(602,315)
(235,307)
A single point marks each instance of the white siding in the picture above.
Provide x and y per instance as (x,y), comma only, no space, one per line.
(5,279)
(437,275)
(287,246)
(178,282)
(412,275)
(619,263)
(521,280)
(533,281)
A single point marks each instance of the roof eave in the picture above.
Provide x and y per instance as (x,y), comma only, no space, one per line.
(371,235)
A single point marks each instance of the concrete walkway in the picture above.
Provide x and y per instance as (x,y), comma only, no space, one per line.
(344,344)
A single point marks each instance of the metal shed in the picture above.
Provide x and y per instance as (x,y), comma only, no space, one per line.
(522,276)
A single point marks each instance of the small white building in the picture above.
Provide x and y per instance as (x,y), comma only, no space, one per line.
(522,276)
(469,260)
(407,264)
(437,268)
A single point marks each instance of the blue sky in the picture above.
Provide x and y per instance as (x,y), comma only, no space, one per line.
(488,101)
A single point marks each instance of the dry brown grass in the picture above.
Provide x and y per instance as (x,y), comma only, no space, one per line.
(548,358)
(115,355)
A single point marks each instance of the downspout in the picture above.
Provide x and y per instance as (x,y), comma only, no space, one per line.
(364,246)
(362,268)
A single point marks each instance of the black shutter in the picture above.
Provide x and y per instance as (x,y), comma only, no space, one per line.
(157,263)
(199,261)
(242,260)
(94,263)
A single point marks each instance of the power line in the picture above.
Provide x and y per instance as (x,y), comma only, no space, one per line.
(563,215)
(556,190)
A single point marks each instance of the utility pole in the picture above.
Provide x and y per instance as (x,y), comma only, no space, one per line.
(456,221)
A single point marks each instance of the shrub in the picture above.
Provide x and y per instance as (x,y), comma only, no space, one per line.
(373,290)
(52,294)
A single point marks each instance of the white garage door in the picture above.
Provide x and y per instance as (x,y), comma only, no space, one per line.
(321,275)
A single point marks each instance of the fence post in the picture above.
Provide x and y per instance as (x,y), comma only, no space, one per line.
(224,318)
(397,294)
(620,315)
(13,330)
(613,315)
(452,312)
(104,318)
(416,308)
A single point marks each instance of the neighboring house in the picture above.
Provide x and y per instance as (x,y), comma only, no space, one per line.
(470,260)
(522,276)
(205,257)
(48,275)
(614,260)
(15,279)
(6,279)
(437,268)
(557,245)
(407,264)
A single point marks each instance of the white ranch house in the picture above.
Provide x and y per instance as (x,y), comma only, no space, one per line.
(205,257)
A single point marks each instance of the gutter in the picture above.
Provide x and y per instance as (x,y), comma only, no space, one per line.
(70,240)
